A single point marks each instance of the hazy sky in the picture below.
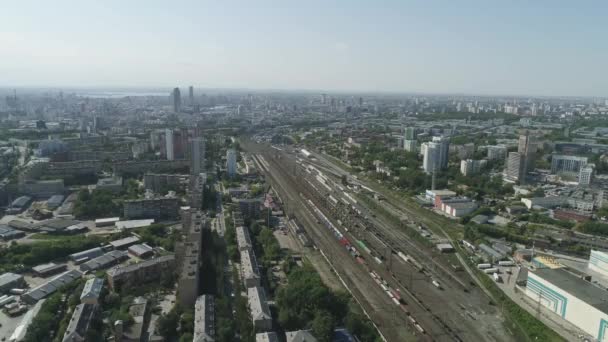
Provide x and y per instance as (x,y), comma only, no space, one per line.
(533,47)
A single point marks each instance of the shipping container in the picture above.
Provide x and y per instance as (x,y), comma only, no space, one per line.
(484,266)
(436,284)
(506,263)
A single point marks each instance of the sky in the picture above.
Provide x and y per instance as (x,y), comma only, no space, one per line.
(541,47)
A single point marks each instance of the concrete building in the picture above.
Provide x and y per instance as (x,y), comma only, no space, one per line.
(177,100)
(83,256)
(48,288)
(498,152)
(231,163)
(124,243)
(157,208)
(49,269)
(258,306)
(140,273)
(572,298)
(160,183)
(410,145)
(142,166)
(266,337)
(112,184)
(598,262)
(243,240)
(299,336)
(585,175)
(249,269)
(513,168)
(197,147)
(470,167)
(136,332)
(204,319)
(564,163)
(250,207)
(10,281)
(169,148)
(91,291)
(435,154)
(107,260)
(188,283)
(79,323)
(18,205)
(141,251)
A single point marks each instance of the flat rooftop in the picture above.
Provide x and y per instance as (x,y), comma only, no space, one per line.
(580,288)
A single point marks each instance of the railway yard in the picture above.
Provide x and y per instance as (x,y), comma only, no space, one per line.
(410,290)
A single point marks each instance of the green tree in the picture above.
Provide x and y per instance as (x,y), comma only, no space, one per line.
(323,326)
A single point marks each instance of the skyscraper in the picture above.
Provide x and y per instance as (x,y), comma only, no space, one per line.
(527,151)
(410,133)
(177,100)
(191,95)
(198,155)
(231,163)
(169,144)
(409,141)
(435,154)
(513,169)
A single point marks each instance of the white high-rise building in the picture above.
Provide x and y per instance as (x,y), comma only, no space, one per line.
(231,163)
(585,176)
(197,146)
(435,154)
(169,144)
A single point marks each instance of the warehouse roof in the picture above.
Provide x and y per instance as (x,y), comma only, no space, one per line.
(133,224)
(8,278)
(104,260)
(89,253)
(21,201)
(19,224)
(576,286)
(52,285)
(140,249)
(44,268)
(122,243)
(55,200)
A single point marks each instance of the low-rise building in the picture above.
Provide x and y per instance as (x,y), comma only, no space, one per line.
(299,336)
(258,306)
(104,261)
(266,337)
(89,254)
(243,240)
(8,233)
(79,323)
(48,269)
(91,291)
(157,208)
(249,269)
(124,243)
(46,289)
(10,281)
(204,319)
(142,251)
(111,184)
(140,273)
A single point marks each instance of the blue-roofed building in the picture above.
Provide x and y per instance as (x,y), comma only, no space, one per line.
(91,291)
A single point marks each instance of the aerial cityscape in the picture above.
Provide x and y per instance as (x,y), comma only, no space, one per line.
(328,172)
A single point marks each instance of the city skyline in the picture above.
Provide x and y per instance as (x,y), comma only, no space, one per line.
(393,47)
